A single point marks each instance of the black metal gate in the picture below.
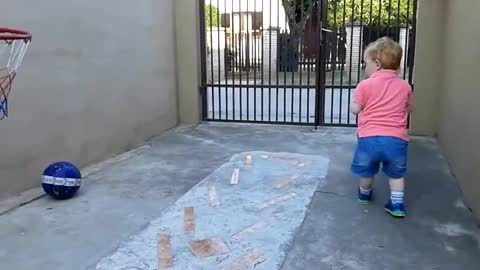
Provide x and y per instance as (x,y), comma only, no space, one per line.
(294,61)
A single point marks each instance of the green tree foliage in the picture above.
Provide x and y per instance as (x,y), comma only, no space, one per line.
(370,12)
(211,16)
(339,12)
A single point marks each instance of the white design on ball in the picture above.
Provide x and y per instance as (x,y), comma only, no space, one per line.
(60,181)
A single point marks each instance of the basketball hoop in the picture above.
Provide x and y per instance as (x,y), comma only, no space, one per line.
(13,46)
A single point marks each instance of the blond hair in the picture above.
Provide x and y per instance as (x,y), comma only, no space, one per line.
(387,52)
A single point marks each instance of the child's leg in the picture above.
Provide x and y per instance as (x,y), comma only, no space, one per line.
(365,164)
(395,206)
(366,183)
(365,191)
(397,189)
(397,184)
(395,167)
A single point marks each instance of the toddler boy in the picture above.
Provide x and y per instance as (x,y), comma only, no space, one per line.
(382,103)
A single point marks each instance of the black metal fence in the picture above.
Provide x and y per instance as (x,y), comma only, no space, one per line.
(267,61)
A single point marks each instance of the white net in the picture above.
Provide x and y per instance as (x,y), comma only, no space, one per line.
(11,55)
(12,51)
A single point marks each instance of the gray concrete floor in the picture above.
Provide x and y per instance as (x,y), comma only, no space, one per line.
(337,233)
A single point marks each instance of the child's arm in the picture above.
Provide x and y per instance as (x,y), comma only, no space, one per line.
(411,108)
(355,108)
(411,102)
(358,99)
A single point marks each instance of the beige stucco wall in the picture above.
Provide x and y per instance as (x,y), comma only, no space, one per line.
(188,60)
(446,86)
(458,110)
(428,66)
(99,79)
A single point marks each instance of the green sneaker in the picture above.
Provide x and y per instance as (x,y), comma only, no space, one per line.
(364,198)
(395,210)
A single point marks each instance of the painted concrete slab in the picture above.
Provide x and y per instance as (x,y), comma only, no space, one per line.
(256,218)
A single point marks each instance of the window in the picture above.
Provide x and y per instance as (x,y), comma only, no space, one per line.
(225,20)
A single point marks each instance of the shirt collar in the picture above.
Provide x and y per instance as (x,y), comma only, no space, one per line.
(385,73)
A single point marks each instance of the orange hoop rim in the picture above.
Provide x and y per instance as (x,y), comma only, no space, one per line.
(14,34)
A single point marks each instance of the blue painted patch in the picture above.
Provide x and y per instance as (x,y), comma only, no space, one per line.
(272,195)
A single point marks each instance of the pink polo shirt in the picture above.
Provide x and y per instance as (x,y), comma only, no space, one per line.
(384,98)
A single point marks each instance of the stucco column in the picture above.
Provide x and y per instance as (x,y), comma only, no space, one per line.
(428,66)
(188,60)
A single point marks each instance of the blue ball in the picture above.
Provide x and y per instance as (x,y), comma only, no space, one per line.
(61,180)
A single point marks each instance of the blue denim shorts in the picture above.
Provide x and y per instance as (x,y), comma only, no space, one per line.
(390,152)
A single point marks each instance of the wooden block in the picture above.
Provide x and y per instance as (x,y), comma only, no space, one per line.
(213,197)
(281,157)
(287,158)
(235,175)
(257,227)
(247,261)
(165,259)
(275,200)
(189,220)
(248,160)
(285,181)
(209,247)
